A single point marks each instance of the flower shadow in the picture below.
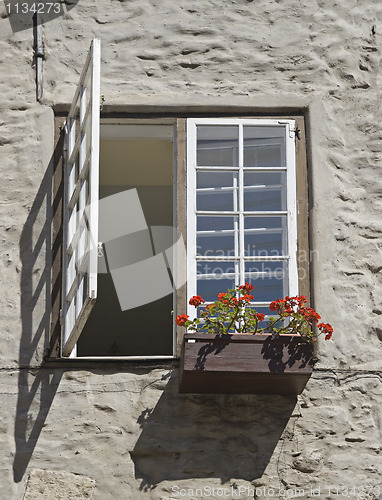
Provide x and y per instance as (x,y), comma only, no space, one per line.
(212,348)
(284,352)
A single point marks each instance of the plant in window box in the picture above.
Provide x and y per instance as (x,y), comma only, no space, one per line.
(230,348)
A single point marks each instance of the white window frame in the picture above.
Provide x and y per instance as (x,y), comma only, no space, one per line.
(80,217)
(291,201)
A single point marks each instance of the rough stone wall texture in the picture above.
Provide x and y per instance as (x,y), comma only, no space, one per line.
(43,485)
(128,429)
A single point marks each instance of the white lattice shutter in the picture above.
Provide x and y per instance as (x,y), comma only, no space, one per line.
(81,184)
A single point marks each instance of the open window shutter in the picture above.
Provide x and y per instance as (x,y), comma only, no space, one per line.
(81,202)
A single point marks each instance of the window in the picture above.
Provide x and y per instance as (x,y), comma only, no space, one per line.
(81,179)
(133,187)
(241,216)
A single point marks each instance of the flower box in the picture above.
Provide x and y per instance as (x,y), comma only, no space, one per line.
(244,363)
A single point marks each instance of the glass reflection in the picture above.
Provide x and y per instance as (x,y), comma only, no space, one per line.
(215,236)
(264,146)
(216,191)
(217,145)
(264,191)
(266,236)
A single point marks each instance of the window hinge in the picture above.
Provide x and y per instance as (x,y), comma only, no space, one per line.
(100,249)
(291,130)
(297,133)
(102,100)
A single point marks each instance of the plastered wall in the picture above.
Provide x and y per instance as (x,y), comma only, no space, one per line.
(122,431)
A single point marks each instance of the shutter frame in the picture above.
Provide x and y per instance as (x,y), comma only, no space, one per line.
(81,212)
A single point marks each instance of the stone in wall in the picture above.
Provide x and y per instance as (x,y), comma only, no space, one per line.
(46,484)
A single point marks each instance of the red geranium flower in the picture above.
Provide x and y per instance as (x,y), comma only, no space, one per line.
(310,314)
(232,308)
(181,319)
(326,328)
(301,300)
(275,305)
(247,287)
(196,300)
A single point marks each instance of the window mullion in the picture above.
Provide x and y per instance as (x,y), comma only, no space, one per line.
(241,278)
(236,226)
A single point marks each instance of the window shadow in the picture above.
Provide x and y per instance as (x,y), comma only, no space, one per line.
(37,385)
(224,436)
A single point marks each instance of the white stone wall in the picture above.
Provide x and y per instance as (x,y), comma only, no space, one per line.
(124,430)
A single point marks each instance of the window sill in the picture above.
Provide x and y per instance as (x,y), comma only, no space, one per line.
(120,358)
(111,362)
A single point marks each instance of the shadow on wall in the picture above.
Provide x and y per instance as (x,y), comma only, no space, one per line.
(183,436)
(208,436)
(36,387)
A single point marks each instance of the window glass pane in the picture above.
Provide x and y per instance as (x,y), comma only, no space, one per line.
(72,224)
(215,236)
(216,191)
(75,126)
(73,174)
(71,272)
(266,236)
(270,279)
(263,310)
(209,288)
(264,146)
(86,93)
(217,146)
(86,142)
(214,277)
(264,191)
